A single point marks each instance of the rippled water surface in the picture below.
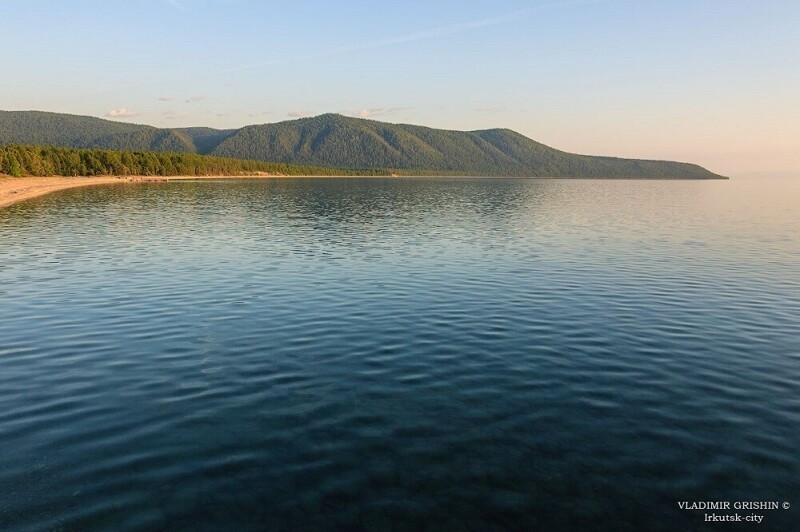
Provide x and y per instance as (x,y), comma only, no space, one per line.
(406,354)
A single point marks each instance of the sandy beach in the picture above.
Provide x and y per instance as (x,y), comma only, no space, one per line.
(16,189)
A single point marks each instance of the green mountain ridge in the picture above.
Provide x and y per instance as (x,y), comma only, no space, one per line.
(333,140)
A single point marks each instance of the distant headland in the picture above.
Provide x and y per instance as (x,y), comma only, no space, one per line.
(330,144)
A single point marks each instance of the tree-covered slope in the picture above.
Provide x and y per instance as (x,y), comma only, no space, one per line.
(337,141)
(55,129)
(205,139)
(72,131)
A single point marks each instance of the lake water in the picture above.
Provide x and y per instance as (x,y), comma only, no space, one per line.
(400,354)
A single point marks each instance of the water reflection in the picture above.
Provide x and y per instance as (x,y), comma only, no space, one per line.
(364,354)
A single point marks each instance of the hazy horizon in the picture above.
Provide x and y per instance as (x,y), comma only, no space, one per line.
(711,84)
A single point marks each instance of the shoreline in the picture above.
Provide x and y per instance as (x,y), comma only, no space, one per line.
(16,189)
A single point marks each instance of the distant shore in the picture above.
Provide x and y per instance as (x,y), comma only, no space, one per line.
(16,189)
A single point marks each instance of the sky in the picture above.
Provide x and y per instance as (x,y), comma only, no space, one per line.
(715,82)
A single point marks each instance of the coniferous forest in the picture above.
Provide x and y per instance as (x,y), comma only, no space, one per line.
(21,161)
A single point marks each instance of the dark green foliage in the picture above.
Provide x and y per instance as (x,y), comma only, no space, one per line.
(12,167)
(205,139)
(72,131)
(46,161)
(157,140)
(35,127)
(338,141)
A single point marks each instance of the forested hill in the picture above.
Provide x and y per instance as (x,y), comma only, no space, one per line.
(336,140)
(72,131)
(332,140)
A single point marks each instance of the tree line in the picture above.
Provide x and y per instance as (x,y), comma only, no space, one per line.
(43,161)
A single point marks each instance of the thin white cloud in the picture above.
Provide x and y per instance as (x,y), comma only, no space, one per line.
(175,4)
(122,112)
(192,99)
(298,114)
(493,110)
(165,98)
(431,33)
(376,111)
(366,113)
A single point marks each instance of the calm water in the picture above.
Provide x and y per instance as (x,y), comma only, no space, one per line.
(400,355)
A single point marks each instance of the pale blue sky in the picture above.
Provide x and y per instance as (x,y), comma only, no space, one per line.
(712,82)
